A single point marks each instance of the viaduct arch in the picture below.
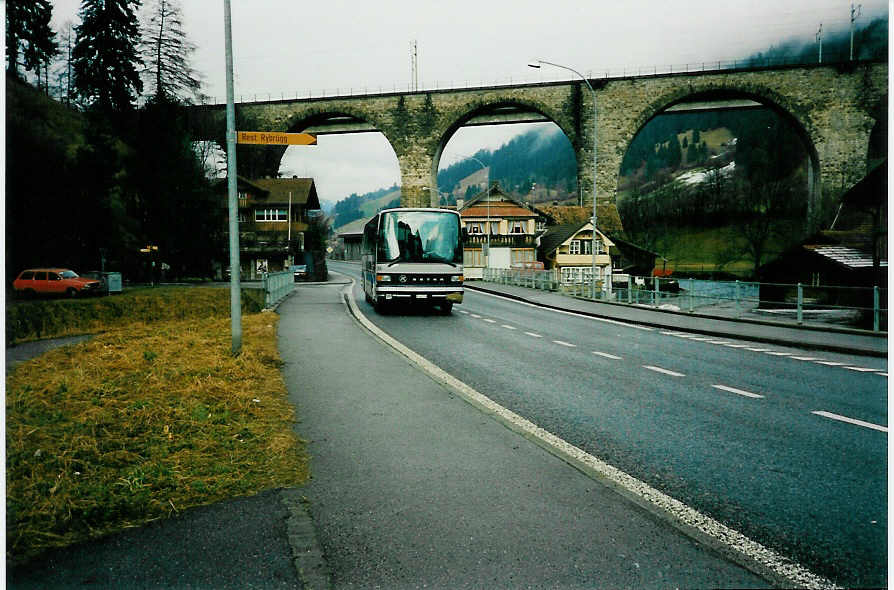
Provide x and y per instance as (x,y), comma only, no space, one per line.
(835,107)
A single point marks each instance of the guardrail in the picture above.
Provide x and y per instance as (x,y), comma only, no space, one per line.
(276,286)
(825,305)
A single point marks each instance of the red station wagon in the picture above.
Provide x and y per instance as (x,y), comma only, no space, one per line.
(54,281)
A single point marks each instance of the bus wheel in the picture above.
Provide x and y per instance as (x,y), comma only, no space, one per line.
(447,307)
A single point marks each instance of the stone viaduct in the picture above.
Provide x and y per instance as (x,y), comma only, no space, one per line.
(835,108)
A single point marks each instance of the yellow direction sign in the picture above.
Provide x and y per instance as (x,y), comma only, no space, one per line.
(275,138)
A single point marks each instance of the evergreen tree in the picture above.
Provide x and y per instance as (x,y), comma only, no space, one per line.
(105,58)
(166,53)
(28,34)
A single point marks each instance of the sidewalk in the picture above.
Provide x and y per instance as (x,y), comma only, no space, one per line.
(414,487)
(832,340)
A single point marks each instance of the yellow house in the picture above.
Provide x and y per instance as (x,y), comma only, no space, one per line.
(568,248)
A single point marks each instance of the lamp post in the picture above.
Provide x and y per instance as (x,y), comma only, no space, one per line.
(536,64)
(487,190)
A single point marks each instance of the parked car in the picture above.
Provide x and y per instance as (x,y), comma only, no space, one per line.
(54,281)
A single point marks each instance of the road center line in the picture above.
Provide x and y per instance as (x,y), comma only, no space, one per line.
(665,371)
(841,418)
(489,321)
(507,327)
(738,391)
(476,316)
(563,343)
(607,355)
(533,335)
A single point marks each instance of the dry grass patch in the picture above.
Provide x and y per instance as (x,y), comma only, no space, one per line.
(139,423)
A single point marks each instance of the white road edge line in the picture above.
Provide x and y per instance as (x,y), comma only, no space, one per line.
(665,371)
(743,550)
(861,369)
(854,421)
(738,391)
(562,311)
(608,356)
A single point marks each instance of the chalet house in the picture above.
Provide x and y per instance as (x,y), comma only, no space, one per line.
(568,248)
(504,223)
(274,214)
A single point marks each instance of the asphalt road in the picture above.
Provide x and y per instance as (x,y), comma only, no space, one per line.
(413,487)
(788,447)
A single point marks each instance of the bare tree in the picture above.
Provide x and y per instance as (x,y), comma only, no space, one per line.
(166,53)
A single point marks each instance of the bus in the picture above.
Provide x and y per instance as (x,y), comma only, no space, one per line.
(413,256)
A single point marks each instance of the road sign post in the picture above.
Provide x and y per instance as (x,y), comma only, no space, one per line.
(275,138)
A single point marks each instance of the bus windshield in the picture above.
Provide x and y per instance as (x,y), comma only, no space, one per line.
(419,236)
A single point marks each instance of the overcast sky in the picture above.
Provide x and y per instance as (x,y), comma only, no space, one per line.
(286,47)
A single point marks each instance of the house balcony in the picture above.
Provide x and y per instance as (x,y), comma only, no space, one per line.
(501,241)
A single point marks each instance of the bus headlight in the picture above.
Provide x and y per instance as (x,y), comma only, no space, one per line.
(456,279)
(383,278)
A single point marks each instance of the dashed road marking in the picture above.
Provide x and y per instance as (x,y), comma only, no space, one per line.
(741,392)
(489,321)
(563,343)
(736,345)
(854,421)
(533,335)
(665,371)
(508,327)
(476,316)
(462,311)
(607,355)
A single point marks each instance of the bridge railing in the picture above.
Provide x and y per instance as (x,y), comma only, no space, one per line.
(615,72)
(794,303)
(276,286)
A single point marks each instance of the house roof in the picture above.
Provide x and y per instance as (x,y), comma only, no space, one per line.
(352,229)
(848,257)
(555,236)
(303,191)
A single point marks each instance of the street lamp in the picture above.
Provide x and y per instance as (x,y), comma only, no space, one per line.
(486,189)
(536,64)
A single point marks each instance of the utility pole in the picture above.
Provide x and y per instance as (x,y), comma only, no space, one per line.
(414,66)
(819,39)
(235,266)
(855,14)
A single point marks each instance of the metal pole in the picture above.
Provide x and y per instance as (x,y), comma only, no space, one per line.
(691,286)
(235,287)
(800,304)
(738,311)
(876,312)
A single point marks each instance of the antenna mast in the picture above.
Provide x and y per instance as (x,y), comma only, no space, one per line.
(855,13)
(819,39)
(414,66)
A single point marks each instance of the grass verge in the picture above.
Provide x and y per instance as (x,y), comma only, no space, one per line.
(49,318)
(139,423)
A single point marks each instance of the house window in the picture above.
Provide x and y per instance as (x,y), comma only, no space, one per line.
(521,256)
(473,258)
(579,274)
(517,228)
(574,247)
(271,215)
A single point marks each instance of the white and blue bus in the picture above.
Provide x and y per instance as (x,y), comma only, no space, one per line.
(413,255)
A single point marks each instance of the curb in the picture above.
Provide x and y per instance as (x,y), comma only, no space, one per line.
(307,555)
(706,332)
(731,544)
